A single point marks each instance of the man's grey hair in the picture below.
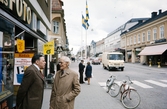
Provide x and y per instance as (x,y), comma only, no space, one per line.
(66,59)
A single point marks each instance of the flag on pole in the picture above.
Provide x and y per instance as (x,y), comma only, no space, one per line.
(87,13)
(84,23)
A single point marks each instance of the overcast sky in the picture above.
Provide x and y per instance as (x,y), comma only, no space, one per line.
(104,17)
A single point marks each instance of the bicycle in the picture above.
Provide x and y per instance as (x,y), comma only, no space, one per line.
(112,87)
(130,98)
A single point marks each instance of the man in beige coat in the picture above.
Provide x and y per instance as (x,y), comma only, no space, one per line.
(66,86)
(30,93)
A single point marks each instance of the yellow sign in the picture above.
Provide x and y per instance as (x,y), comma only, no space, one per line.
(24,55)
(20,45)
(48,48)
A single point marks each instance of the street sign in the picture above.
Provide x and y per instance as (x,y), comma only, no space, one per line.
(48,48)
(20,45)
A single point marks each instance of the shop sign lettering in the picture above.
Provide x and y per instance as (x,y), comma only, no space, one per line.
(22,10)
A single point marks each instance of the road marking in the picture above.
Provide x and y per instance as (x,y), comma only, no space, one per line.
(102,84)
(164,81)
(141,84)
(156,83)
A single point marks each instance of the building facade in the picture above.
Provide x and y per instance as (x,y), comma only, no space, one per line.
(143,40)
(99,47)
(113,40)
(58,30)
(25,20)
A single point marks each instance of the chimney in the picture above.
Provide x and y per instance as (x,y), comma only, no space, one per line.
(153,14)
(160,11)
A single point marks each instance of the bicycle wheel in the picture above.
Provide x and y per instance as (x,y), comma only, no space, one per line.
(130,99)
(114,90)
(107,85)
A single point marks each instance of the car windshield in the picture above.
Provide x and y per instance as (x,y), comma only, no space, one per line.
(115,57)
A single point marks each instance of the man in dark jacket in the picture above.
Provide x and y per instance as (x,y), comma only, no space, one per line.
(52,66)
(30,93)
(81,70)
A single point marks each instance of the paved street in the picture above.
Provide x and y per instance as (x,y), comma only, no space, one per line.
(91,97)
(94,96)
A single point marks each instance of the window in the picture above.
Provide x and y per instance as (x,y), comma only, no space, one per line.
(162,32)
(138,38)
(154,34)
(135,39)
(55,27)
(7,45)
(148,35)
(128,41)
(143,37)
(131,40)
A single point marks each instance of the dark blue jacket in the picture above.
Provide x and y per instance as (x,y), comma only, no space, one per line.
(88,71)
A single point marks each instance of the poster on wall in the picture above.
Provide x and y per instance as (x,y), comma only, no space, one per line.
(22,61)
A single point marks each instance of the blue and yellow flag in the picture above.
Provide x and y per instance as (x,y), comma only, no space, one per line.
(84,23)
(87,13)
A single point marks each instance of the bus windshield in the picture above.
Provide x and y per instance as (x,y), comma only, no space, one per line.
(115,57)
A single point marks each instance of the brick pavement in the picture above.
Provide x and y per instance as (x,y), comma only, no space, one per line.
(91,97)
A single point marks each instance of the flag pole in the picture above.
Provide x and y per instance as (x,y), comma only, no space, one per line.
(86,45)
(81,38)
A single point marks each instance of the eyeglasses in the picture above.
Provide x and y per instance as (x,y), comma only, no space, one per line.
(60,62)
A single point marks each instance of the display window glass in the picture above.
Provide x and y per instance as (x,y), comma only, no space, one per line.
(6,54)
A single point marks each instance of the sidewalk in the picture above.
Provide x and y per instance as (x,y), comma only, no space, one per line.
(91,97)
(153,67)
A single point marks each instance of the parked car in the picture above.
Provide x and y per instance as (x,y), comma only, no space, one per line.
(100,57)
(95,60)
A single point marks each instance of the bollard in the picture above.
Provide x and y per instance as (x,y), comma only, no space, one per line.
(149,63)
(159,64)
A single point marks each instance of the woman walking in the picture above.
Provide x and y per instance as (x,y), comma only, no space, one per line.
(88,72)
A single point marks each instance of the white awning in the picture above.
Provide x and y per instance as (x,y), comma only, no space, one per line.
(154,50)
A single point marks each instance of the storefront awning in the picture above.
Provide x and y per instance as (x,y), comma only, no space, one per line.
(154,50)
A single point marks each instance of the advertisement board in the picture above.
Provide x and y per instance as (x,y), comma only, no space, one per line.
(22,61)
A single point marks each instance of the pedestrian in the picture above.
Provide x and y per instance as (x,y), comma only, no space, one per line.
(30,93)
(58,65)
(81,70)
(88,72)
(51,77)
(52,66)
(65,87)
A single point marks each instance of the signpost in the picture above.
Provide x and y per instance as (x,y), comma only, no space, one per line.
(48,48)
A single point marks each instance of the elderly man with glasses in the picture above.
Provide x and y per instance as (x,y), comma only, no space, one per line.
(66,86)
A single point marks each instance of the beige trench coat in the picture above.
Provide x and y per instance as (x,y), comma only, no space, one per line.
(65,88)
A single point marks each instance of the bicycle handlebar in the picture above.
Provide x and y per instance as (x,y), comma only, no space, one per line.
(129,80)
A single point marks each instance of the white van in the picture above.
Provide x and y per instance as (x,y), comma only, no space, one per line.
(112,60)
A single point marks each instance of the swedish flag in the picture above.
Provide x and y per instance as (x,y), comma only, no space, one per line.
(87,13)
(85,24)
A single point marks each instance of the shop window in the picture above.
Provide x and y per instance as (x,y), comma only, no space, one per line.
(6,54)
